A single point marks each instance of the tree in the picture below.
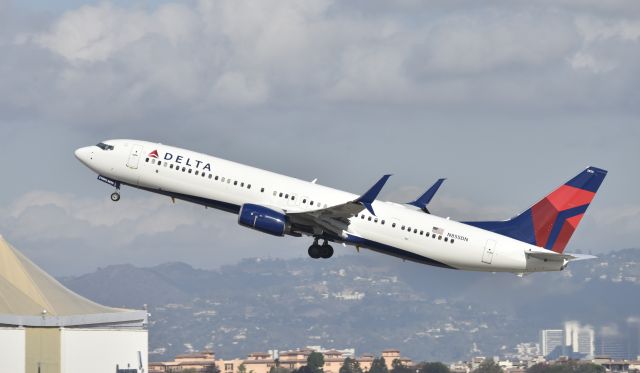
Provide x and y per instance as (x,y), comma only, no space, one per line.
(378,365)
(435,367)
(398,367)
(315,362)
(570,366)
(488,366)
(242,368)
(350,366)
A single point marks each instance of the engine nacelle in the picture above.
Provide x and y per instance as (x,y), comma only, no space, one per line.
(263,219)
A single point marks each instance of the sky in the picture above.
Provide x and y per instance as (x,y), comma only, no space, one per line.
(506,99)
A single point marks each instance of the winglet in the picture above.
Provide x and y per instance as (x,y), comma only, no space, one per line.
(424,199)
(367,199)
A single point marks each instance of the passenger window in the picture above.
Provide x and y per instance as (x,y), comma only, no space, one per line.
(446,239)
(222,179)
(210,176)
(242,185)
(189,170)
(171,166)
(382,222)
(216,177)
(439,237)
(311,203)
(393,225)
(369,218)
(362,216)
(415,231)
(147,160)
(421,233)
(293,198)
(375,220)
(249,186)
(402,227)
(159,163)
(197,172)
(228,181)
(304,200)
(452,240)
(153,161)
(275,193)
(286,196)
(184,169)
(261,190)
(280,195)
(235,182)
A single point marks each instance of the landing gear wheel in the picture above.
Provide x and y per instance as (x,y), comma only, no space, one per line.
(115,196)
(327,251)
(315,251)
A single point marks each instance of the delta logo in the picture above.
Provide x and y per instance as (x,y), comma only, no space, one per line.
(186,161)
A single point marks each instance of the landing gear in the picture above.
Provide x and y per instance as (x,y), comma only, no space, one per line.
(317,251)
(115,196)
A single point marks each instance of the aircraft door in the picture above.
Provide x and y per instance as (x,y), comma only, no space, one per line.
(134,156)
(489,248)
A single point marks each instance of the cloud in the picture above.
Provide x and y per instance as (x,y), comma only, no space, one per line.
(130,63)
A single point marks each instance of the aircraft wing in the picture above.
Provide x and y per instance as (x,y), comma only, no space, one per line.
(335,219)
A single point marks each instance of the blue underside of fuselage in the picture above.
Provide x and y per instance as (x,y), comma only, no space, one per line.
(351,239)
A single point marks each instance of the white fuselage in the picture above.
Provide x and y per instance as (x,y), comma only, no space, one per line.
(407,232)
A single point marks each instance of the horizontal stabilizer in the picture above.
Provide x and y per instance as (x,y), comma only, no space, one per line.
(553,256)
(424,199)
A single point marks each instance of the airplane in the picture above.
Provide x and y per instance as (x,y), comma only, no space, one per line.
(279,205)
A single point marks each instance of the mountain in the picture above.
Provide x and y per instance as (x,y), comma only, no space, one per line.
(366,301)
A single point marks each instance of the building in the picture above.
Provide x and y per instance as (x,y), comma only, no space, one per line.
(579,339)
(392,354)
(262,362)
(203,362)
(45,327)
(551,340)
(617,365)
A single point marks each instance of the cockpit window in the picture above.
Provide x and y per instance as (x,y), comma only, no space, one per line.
(104,146)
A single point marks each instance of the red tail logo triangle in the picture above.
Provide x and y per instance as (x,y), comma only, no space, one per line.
(153,154)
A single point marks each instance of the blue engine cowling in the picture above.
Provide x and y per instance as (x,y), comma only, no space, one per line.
(263,219)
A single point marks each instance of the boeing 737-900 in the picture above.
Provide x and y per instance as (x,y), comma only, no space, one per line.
(533,241)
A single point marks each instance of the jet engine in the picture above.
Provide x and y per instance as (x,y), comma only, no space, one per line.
(263,219)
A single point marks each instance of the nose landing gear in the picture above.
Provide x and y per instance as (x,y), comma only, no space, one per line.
(317,251)
(115,196)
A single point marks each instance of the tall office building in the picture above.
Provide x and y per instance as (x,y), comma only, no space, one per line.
(579,339)
(550,340)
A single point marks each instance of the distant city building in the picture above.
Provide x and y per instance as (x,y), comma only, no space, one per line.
(613,345)
(551,340)
(579,339)
(203,362)
(262,362)
(526,351)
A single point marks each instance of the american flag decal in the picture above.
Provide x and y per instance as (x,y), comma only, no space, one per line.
(437,230)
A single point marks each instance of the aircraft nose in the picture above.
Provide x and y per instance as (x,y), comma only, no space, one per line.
(82,154)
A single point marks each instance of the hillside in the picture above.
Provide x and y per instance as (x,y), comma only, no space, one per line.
(369,302)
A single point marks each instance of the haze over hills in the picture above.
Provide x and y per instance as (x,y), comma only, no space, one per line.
(369,302)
